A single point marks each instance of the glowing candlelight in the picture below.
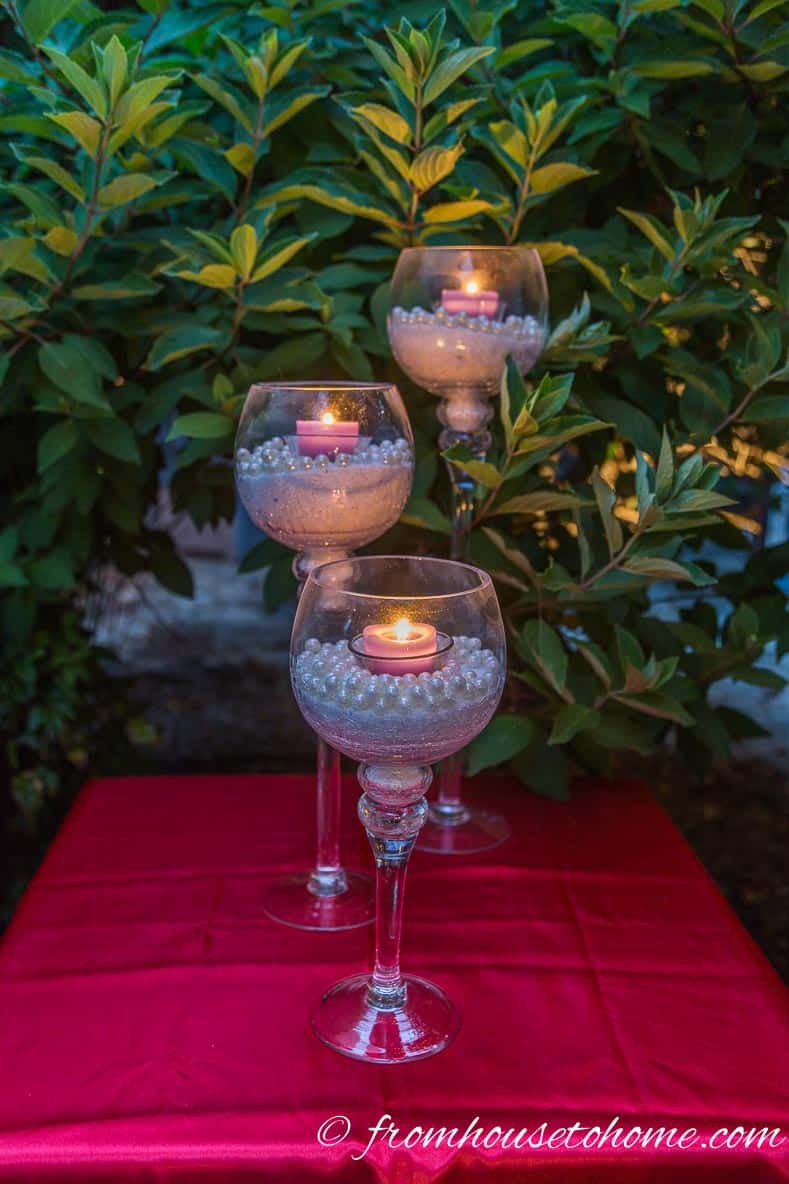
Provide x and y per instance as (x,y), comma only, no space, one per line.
(471,299)
(401,648)
(326,435)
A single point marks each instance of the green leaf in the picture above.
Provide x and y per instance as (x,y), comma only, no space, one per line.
(546,652)
(694,501)
(90,90)
(596,659)
(244,249)
(657,704)
(56,173)
(85,130)
(511,140)
(338,194)
(56,443)
(177,343)
(657,568)
(53,572)
(553,252)
(598,28)
(9,541)
(520,49)
(651,228)
(64,363)
(664,480)
(40,16)
(606,500)
(172,573)
(385,120)
(482,471)
(286,110)
(451,68)
(433,165)
(552,177)
(116,438)
(559,431)
(201,425)
(763,71)
(545,770)
(280,585)
(227,100)
(572,719)
(242,157)
(422,512)
(455,211)
(114,68)
(278,254)
(261,555)
(393,69)
(762,8)
(767,409)
(12,576)
(541,501)
(286,63)
(674,69)
(139,97)
(17,253)
(502,739)
(124,189)
(131,287)
(213,275)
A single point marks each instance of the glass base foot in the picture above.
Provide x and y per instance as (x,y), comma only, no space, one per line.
(345,1020)
(476,830)
(290,902)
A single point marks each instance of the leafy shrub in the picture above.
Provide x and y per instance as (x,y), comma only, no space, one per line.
(203,195)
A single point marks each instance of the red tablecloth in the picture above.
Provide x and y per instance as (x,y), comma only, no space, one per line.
(153,1023)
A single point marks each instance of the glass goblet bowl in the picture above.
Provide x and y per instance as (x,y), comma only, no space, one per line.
(456,313)
(323,467)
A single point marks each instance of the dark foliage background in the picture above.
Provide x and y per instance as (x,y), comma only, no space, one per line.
(195,196)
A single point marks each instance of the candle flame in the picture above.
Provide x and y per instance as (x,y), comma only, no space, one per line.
(472,287)
(327,418)
(402,629)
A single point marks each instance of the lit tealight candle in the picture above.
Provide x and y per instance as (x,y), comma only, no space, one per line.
(470,299)
(326,435)
(401,648)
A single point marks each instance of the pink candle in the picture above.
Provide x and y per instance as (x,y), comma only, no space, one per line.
(470,299)
(326,435)
(401,648)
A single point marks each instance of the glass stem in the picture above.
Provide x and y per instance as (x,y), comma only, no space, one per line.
(392,810)
(448,809)
(463,486)
(328,877)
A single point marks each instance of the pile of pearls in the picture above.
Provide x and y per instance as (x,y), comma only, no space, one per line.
(331,674)
(513,326)
(278,455)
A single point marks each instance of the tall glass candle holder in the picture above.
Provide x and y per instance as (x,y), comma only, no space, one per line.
(324,467)
(455,315)
(398,662)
